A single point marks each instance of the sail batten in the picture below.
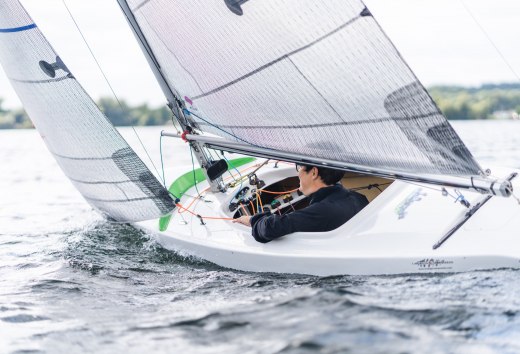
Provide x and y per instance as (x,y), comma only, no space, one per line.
(313,78)
(84,143)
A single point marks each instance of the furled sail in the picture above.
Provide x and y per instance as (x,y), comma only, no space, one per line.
(90,151)
(316,78)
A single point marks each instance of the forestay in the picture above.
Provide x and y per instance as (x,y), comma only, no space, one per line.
(316,78)
(90,151)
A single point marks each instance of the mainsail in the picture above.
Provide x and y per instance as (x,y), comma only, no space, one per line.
(314,78)
(90,151)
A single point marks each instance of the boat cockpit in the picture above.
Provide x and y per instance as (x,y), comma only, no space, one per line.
(281,196)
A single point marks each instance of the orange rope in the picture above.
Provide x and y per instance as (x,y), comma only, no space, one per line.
(269,192)
(194,200)
(208,188)
(203,217)
(241,171)
(205,190)
(260,199)
(197,199)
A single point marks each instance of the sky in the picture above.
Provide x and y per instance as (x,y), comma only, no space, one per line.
(460,42)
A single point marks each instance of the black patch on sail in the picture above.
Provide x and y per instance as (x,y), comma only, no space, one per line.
(128,162)
(50,68)
(365,12)
(324,145)
(443,131)
(426,128)
(234,6)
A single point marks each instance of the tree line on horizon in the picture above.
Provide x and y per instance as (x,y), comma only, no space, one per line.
(119,113)
(488,101)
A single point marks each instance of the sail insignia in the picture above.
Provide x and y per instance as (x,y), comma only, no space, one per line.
(50,69)
(234,6)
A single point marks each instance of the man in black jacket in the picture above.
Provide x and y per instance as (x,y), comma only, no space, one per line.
(330,206)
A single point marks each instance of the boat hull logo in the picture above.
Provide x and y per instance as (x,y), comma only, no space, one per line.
(415,196)
(433,264)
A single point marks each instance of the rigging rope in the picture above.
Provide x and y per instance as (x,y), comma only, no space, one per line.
(162,162)
(260,199)
(490,40)
(183,209)
(108,83)
(370,186)
(443,191)
(279,193)
(199,216)
(239,174)
(219,128)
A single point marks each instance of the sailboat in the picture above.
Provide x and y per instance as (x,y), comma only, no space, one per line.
(282,83)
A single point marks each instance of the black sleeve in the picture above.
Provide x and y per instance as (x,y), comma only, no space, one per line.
(267,227)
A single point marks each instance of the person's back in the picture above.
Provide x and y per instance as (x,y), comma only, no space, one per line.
(330,206)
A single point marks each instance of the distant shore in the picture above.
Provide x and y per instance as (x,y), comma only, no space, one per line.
(491,101)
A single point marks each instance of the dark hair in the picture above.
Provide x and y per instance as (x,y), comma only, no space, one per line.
(329,176)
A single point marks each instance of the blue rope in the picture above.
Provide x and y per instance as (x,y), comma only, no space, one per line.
(459,196)
(188,112)
(236,169)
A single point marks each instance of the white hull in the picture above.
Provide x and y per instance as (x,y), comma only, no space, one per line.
(394,234)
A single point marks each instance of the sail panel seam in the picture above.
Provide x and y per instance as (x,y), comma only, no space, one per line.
(138,7)
(57,79)
(316,89)
(122,200)
(104,182)
(321,125)
(285,56)
(91,158)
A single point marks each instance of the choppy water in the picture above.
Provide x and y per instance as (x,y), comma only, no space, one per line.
(71,282)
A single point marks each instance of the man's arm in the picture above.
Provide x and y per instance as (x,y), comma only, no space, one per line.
(268,227)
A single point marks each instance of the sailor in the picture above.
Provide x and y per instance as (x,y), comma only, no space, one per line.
(331,205)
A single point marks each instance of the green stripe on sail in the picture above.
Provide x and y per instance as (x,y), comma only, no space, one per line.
(182,184)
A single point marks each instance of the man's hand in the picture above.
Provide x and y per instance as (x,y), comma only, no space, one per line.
(244,220)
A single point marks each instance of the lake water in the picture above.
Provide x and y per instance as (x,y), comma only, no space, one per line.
(71,282)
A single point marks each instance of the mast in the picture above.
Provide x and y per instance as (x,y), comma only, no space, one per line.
(175,103)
